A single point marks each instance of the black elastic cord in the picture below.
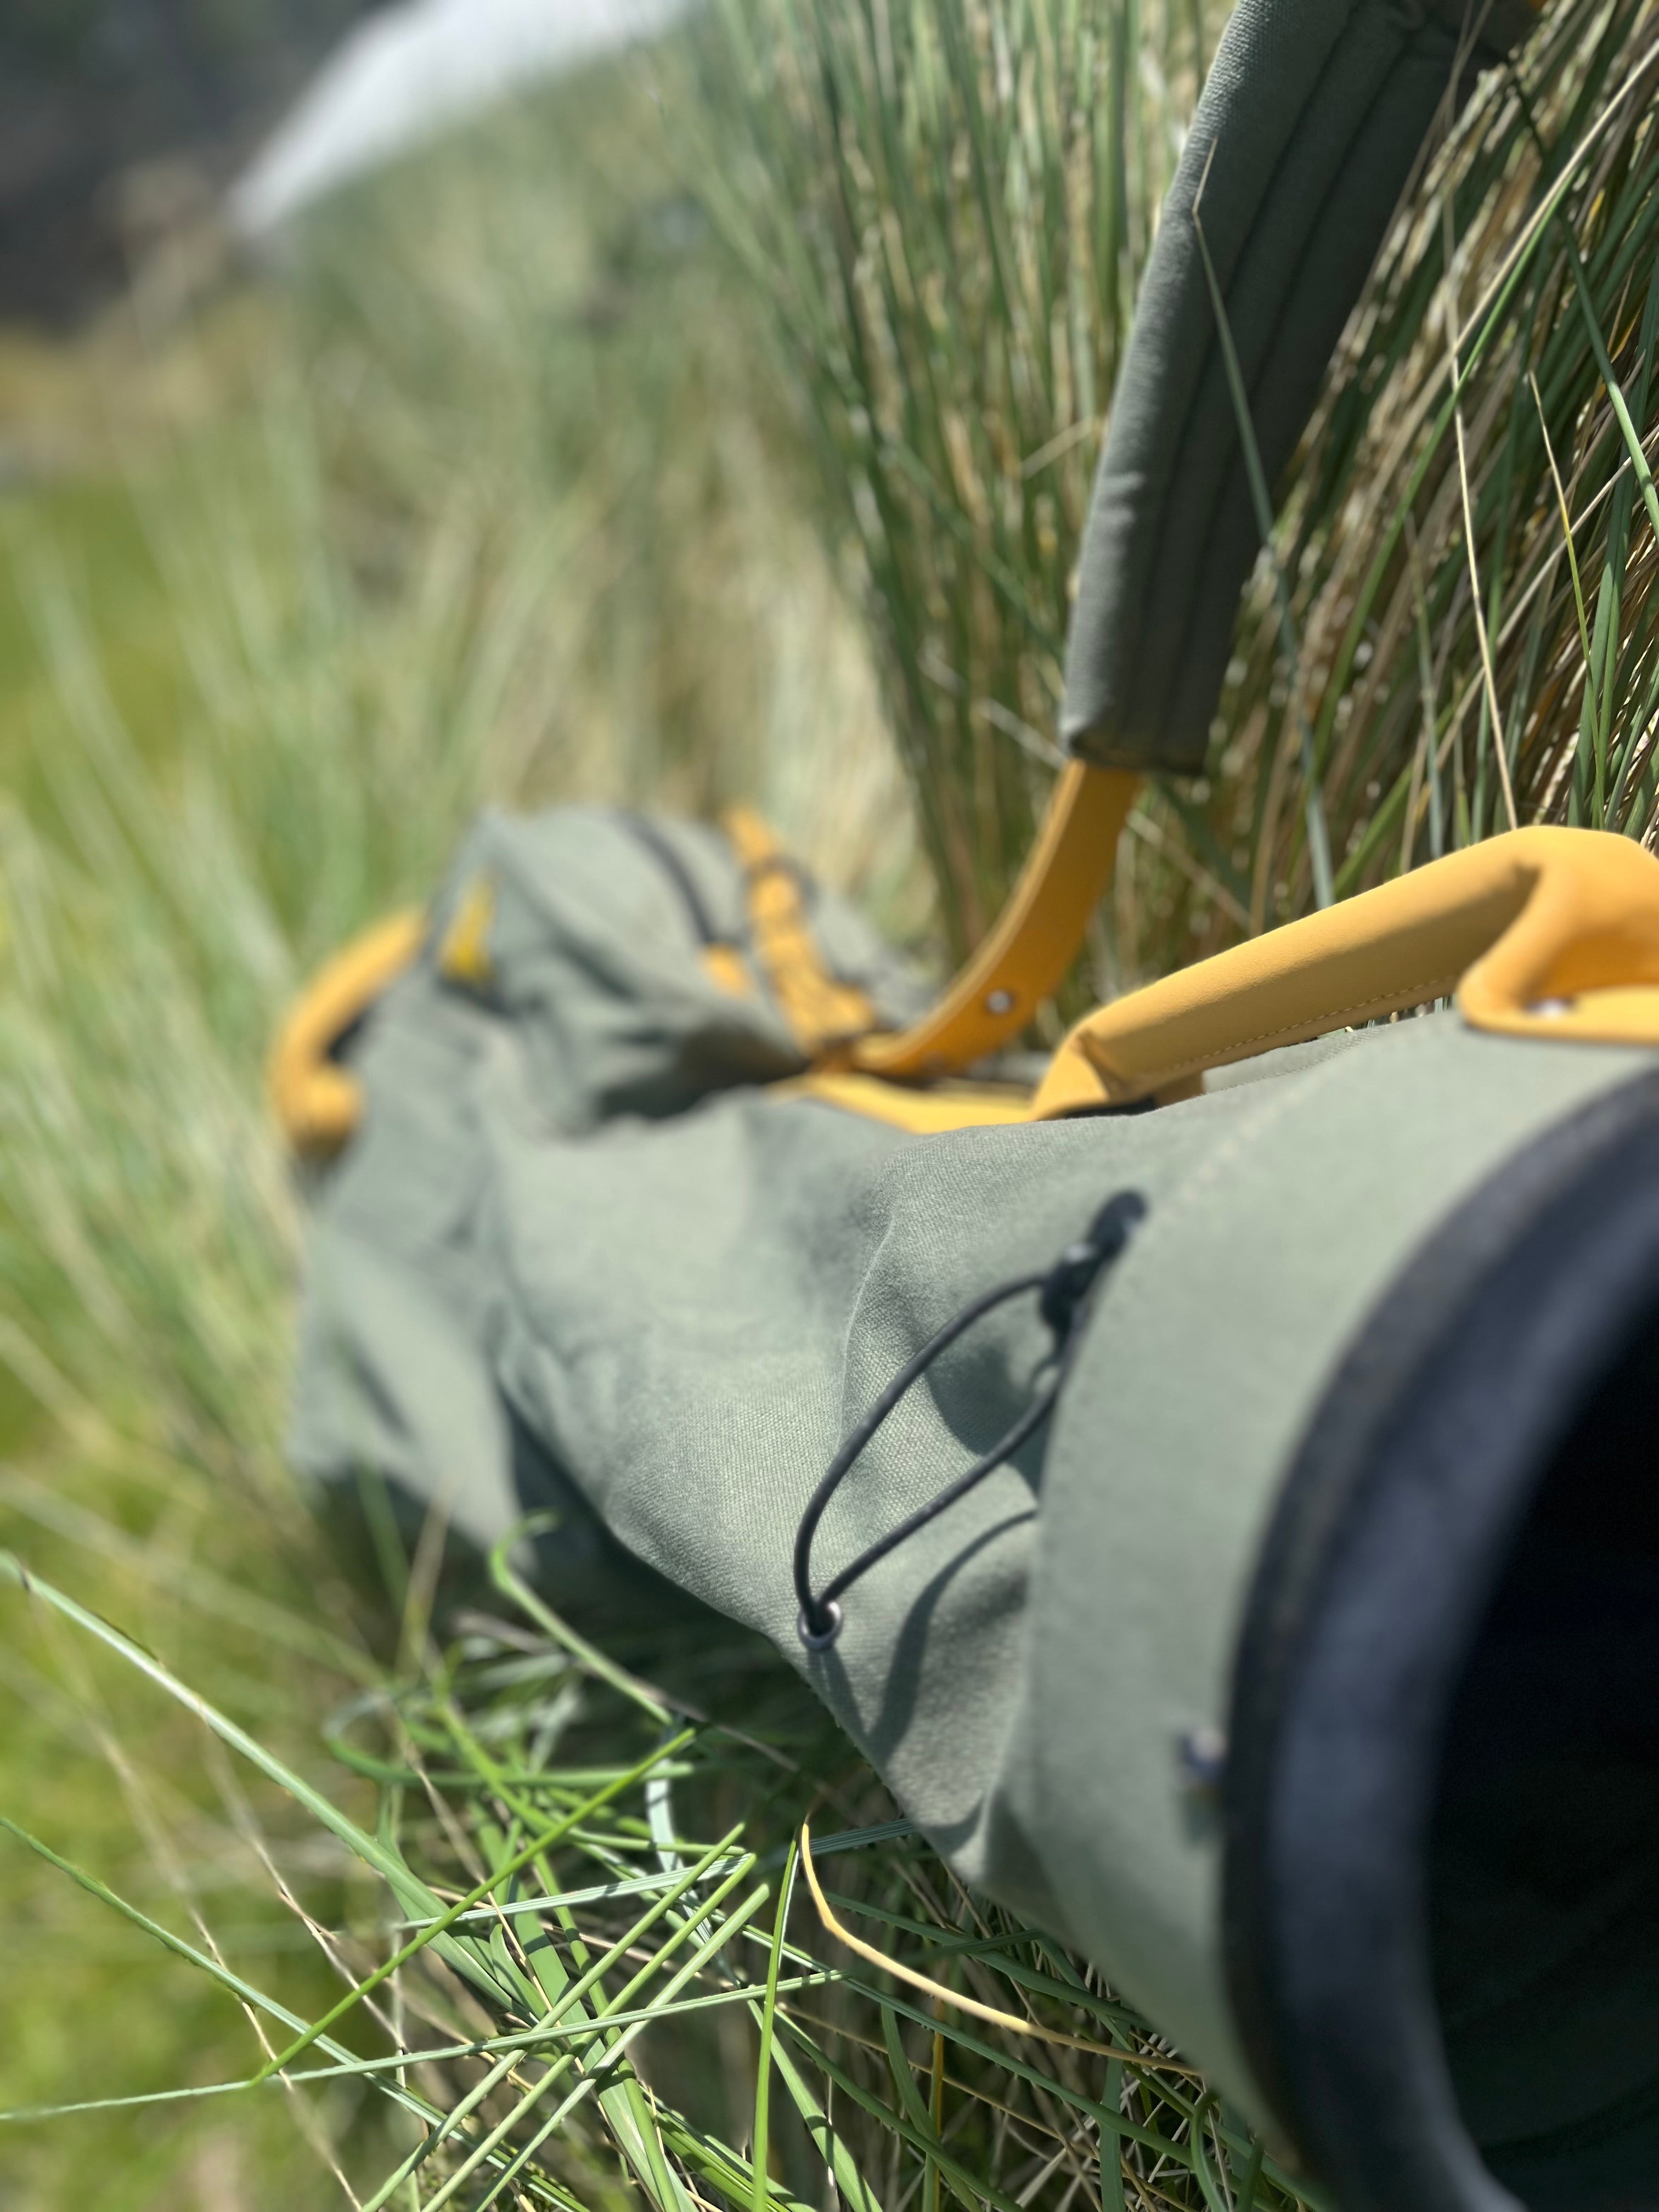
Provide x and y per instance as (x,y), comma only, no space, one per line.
(1064,1290)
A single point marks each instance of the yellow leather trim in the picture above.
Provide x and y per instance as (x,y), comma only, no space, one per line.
(1025,959)
(318,1102)
(823,1014)
(1541,933)
(463,955)
(725,968)
(1538,934)
(928,1113)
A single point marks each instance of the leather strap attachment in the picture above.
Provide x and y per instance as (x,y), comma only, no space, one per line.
(1025,958)
(1541,933)
(318,1103)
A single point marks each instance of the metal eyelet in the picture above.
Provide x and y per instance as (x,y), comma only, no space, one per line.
(819,1639)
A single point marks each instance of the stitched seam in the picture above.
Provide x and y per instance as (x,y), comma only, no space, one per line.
(1432,986)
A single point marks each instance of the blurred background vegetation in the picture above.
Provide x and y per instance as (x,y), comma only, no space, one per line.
(119,119)
(486,499)
(718,423)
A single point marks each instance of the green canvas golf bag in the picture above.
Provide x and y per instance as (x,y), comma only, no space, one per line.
(1213,1485)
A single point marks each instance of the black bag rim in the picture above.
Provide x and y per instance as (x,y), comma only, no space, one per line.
(1470,1370)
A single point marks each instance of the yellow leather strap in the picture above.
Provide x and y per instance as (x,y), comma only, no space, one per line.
(1021,964)
(463,955)
(1025,959)
(924,1112)
(823,1014)
(1541,933)
(318,1101)
(725,968)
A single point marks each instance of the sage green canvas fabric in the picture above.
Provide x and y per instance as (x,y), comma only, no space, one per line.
(597,1002)
(526,1273)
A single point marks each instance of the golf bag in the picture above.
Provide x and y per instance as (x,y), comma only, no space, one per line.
(1209,1484)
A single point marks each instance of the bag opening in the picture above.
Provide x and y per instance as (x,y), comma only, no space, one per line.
(1442,1896)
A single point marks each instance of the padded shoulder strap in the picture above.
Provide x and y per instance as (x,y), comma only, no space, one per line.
(1313,116)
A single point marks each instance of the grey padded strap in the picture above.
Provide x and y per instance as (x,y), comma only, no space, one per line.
(1313,116)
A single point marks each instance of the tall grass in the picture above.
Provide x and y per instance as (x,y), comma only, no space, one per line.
(161,902)
(1474,534)
(582,1983)
(969,192)
(946,209)
(531,334)
(519,514)
(249,698)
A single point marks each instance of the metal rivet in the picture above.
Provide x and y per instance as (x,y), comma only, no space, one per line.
(1202,1754)
(1550,1010)
(999,1002)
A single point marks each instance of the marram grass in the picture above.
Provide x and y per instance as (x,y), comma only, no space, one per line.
(943,209)
(580,1981)
(524,1921)
(1473,535)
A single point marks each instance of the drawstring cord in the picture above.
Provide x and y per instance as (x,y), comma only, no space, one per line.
(1063,1292)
